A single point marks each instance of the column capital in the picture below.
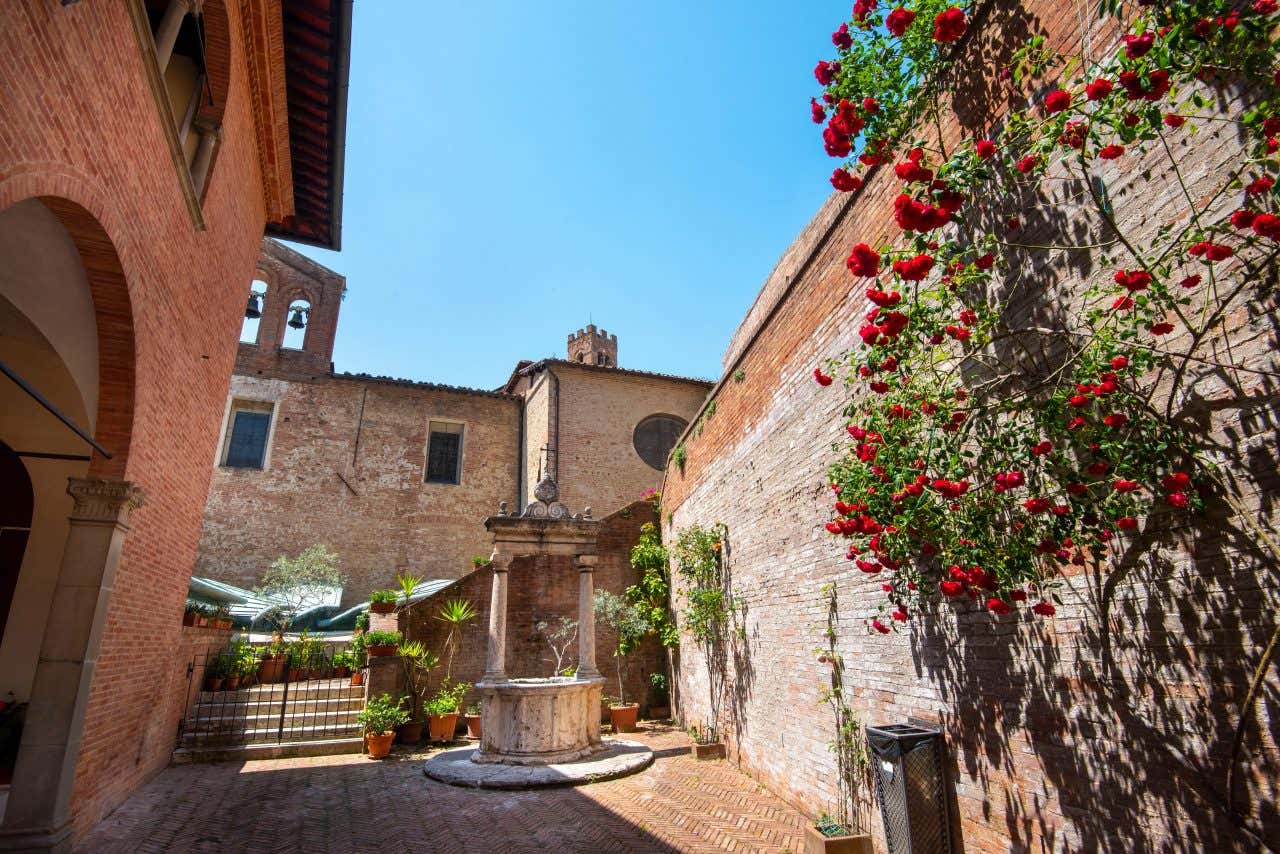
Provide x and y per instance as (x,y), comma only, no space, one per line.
(500,561)
(101,500)
(586,563)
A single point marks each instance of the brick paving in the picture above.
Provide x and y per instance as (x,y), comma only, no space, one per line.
(350,803)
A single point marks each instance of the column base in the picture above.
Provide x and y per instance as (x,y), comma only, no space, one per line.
(36,839)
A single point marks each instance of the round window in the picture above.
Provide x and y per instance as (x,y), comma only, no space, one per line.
(656,436)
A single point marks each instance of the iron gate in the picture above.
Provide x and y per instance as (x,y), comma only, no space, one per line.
(261,698)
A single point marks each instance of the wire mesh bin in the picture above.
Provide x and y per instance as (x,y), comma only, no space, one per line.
(911,788)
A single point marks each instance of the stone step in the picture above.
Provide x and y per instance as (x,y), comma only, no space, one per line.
(300,718)
(282,750)
(215,708)
(271,731)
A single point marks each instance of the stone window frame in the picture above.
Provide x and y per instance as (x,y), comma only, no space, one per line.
(237,403)
(462,450)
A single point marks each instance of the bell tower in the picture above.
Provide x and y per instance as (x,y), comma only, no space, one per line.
(593,346)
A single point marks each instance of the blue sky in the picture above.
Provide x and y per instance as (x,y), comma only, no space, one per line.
(514,169)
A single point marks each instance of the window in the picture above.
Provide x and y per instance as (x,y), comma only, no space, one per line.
(253,312)
(444,453)
(295,328)
(655,436)
(248,430)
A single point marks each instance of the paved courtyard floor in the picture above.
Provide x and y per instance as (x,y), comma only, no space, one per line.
(351,803)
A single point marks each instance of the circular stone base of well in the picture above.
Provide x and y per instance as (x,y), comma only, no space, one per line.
(618,759)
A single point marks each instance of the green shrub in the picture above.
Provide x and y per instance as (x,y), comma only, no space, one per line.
(382,638)
(382,714)
(378,597)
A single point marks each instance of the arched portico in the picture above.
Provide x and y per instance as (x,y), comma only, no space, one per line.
(66,414)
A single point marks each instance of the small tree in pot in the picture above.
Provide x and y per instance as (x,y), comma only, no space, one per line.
(442,709)
(632,624)
(418,662)
(380,718)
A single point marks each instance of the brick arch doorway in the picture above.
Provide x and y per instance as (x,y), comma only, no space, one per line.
(66,414)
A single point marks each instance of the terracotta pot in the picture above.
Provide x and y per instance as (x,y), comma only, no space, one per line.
(714,750)
(188,618)
(295,675)
(272,668)
(473,726)
(382,607)
(379,744)
(213,683)
(378,650)
(659,713)
(224,624)
(357,678)
(232,683)
(410,733)
(623,717)
(341,671)
(442,726)
(202,622)
(816,843)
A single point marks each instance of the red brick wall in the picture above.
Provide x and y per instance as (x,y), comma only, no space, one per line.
(80,123)
(1050,746)
(545,588)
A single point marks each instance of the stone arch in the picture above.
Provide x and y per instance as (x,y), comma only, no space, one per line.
(217,46)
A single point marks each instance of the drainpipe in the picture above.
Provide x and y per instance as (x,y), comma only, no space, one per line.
(555,430)
(520,458)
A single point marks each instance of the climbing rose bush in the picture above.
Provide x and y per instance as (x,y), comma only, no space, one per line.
(986,453)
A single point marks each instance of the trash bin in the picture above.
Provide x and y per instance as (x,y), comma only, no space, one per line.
(910,785)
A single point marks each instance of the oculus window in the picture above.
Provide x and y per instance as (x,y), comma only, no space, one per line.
(655,436)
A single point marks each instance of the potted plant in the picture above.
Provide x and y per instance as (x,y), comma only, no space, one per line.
(343,660)
(359,656)
(457,615)
(408,584)
(215,673)
(222,617)
(274,660)
(442,709)
(246,663)
(383,601)
(829,836)
(382,643)
(706,743)
(418,662)
(631,623)
(659,710)
(380,717)
(473,721)
(190,613)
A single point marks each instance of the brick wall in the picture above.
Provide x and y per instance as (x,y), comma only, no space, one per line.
(369,503)
(545,588)
(1051,746)
(81,124)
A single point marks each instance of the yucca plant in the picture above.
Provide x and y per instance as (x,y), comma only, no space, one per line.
(457,614)
(408,584)
(418,662)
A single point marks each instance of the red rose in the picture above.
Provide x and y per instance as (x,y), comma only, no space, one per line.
(1044,609)
(1133,280)
(1271,127)
(1267,225)
(845,181)
(1128,523)
(822,378)
(826,72)
(1138,46)
(816,112)
(1176,482)
(1265,7)
(1190,281)
(1122,304)
(863,8)
(1131,119)
(1116,420)
(880,627)
(1111,152)
(841,38)
(1119,363)
(951,588)
(985,262)
(1175,121)
(1036,505)
(1075,423)
(1259,186)
(1177,499)
(837,144)
(870,105)
(1161,328)
(881,298)
(984,148)
(1042,448)
(1027,164)
(1077,488)
(998,606)
(1098,89)
(1057,100)
(1018,595)
(898,20)
(914,269)
(1243,218)
(864,262)
(1098,468)
(949,25)
(1122,485)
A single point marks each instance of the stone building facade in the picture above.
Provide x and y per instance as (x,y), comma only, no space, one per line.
(146,147)
(1051,745)
(397,476)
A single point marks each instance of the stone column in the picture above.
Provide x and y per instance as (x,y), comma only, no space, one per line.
(37,812)
(167,33)
(495,669)
(204,155)
(586,617)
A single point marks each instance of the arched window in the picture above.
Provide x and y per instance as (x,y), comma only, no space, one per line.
(253,312)
(603,358)
(295,328)
(655,436)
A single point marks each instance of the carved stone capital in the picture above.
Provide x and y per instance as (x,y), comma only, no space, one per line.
(586,563)
(106,501)
(500,561)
